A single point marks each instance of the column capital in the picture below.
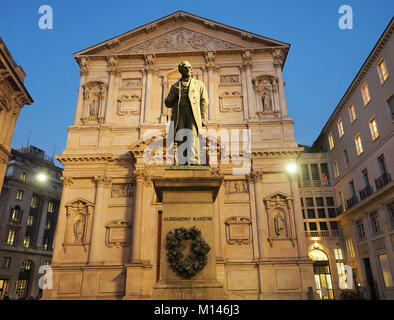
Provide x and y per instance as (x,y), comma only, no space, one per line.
(210,60)
(112,64)
(150,66)
(279,57)
(67,181)
(247,58)
(256,176)
(83,66)
(102,181)
(141,175)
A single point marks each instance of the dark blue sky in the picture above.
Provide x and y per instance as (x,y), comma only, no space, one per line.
(322,62)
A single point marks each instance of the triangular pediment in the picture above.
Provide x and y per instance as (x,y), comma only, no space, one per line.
(180,31)
(182,39)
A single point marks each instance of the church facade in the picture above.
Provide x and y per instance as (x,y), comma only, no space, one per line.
(109,231)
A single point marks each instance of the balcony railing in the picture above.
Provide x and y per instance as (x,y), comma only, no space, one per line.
(365,192)
(314,183)
(382,180)
(324,233)
(351,202)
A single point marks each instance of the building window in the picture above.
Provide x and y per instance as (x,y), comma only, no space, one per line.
(323,226)
(331,141)
(352,113)
(34,202)
(7,262)
(376,228)
(11,238)
(45,244)
(319,202)
(346,157)
(48,225)
(359,145)
(23,176)
(390,102)
(382,70)
(309,202)
(373,127)
(312,226)
(47,263)
(50,206)
(342,275)
(21,288)
(385,267)
(360,230)
(350,248)
(330,201)
(26,266)
(332,213)
(26,242)
(340,128)
(334,225)
(3,287)
(30,221)
(321,213)
(15,214)
(382,165)
(336,168)
(305,172)
(311,213)
(392,216)
(365,93)
(19,195)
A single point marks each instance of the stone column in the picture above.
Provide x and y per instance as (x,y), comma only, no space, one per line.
(84,71)
(299,221)
(135,256)
(111,102)
(247,64)
(43,220)
(97,239)
(61,220)
(11,128)
(262,229)
(278,56)
(150,71)
(210,66)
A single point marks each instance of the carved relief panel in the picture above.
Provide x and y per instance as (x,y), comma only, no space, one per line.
(117,234)
(230,90)
(236,186)
(130,94)
(94,99)
(78,225)
(266,89)
(238,230)
(280,217)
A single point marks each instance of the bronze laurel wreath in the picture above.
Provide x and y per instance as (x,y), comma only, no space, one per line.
(195,261)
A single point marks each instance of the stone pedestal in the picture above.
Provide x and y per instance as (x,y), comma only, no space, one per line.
(188,194)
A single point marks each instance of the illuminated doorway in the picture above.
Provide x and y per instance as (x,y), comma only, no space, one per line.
(321,268)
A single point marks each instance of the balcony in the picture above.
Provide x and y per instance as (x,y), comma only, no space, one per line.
(382,180)
(351,202)
(324,234)
(365,192)
(314,183)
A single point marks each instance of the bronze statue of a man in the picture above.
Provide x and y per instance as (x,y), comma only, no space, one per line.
(189,102)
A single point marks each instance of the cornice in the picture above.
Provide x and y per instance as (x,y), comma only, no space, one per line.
(75,158)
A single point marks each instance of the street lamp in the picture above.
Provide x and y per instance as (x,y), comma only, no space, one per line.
(291,168)
(41,177)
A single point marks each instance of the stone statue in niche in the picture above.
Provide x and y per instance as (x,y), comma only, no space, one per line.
(279,223)
(266,101)
(93,107)
(79,229)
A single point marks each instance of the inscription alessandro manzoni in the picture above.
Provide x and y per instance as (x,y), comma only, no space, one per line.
(187,219)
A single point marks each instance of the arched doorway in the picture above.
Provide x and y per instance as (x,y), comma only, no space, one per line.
(323,280)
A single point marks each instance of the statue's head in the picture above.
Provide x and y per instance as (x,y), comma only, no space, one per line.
(185,68)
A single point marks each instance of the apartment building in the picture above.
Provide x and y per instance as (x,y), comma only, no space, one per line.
(29,203)
(358,143)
